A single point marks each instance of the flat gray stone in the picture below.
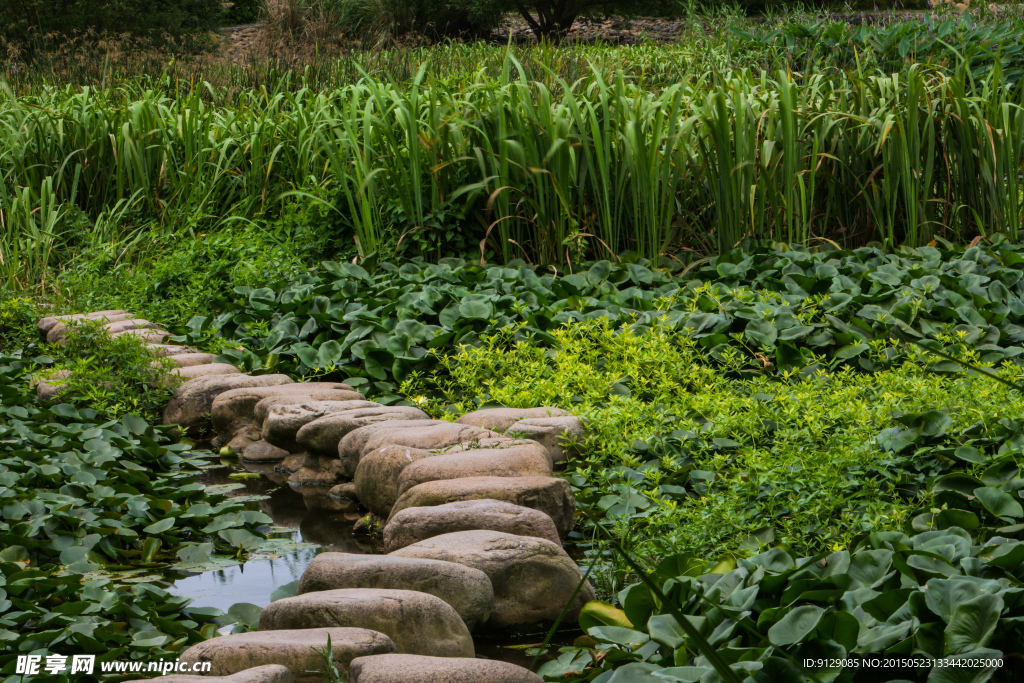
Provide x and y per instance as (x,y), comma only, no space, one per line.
(376,477)
(236,408)
(169,349)
(55,327)
(550,495)
(145,336)
(263,408)
(294,649)
(272,673)
(193,400)
(466,589)
(413,525)
(549,431)
(193,371)
(186,360)
(283,422)
(515,461)
(49,322)
(418,623)
(323,434)
(261,451)
(127,323)
(426,435)
(417,669)
(316,472)
(500,419)
(533,579)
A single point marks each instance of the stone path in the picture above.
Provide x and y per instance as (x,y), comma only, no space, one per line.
(475,520)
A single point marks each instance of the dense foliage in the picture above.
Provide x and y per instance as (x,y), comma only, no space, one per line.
(941,598)
(553,18)
(93,514)
(946,591)
(553,171)
(28,22)
(814,45)
(789,309)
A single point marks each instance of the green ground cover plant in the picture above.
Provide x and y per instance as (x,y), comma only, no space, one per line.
(683,458)
(112,376)
(768,310)
(93,515)
(33,25)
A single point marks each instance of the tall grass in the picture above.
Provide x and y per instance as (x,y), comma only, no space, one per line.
(546,168)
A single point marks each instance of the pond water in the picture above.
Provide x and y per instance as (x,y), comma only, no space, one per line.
(299,519)
(257,579)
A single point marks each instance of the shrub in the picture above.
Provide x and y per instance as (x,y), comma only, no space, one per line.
(26,22)
(113,376)
(242,12)
(551,18)
(436,19)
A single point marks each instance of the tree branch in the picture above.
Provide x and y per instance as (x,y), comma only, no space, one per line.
(534,26)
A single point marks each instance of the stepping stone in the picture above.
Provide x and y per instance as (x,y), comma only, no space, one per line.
(466,589)
(261,451)
(316,471)
(126,324)
(236,408)
(48,323)
(500,419)
(243,438)
(550,495)
(413,525)
(418,669)
(549,431)
(263,408)
(345,496)
(55,331)
(515,461)
(193,400)
(187,360)
(323,434)
(418,623)
(49,388)
(146,336)
(193,371)
(272,673)
(376,476)
(283,422)
(533,579)
(293,463)
(426,435)
(293,649)
(169,349)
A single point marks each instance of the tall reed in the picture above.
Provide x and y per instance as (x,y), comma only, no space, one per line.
(545,168)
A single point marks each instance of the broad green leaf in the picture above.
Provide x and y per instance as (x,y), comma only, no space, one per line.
(159,527)
(999,503)
(797,625)
(618,635)
(599,613)
(972,625)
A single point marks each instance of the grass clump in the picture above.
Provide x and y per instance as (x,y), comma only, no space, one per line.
(114,376)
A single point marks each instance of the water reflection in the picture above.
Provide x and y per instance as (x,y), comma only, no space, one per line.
(255,580)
